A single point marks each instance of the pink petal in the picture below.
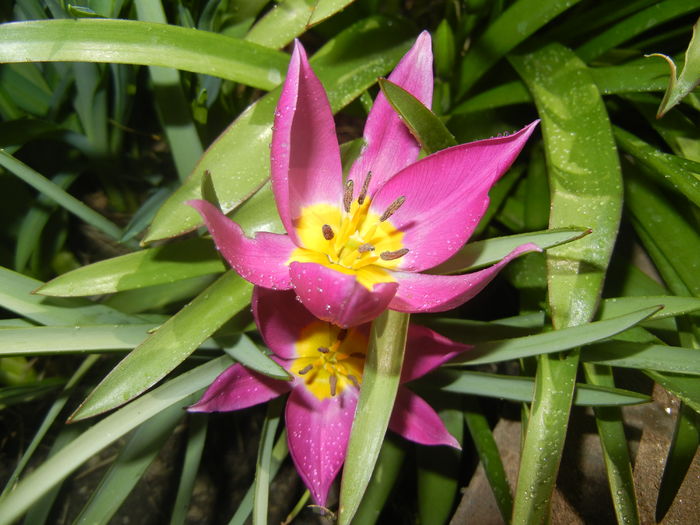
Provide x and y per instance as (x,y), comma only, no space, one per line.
(446,196)
(338,297)
(389,145)
(415,420)
(280,319)
(305,159)
(425,351)
(262,260)
(419,292)
(317,432)
(237,388)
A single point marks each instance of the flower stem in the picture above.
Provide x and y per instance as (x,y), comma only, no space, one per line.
(380,382)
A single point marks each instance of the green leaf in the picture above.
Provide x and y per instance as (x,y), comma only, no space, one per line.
(522,389)
(163,264)
(263,464)
(686,388)
(634,25)
(489,251)
(489,457)
(16,294)
(550,342)
(245,352)
(689,77)
(380,382)
(196,437)
(176,339)
(58,194)
(239,160)
(144,43)
(290,18)
(516,24)
(672,306)
(422,123)
(647,356)
(70,457)
(138,453)
(586,187)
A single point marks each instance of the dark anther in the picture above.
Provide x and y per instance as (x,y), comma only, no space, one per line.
(392,208)
(366,247)
(390,256)
(358,355)
(347,195)
(342,334)
(333,381)
(327,232)
(354,380)
(305,370)
(365,187)
(323,349)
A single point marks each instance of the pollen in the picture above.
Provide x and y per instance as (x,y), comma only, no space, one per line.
(330,359)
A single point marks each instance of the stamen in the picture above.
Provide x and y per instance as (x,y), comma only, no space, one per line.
(358,355)
(342,334)
(365,187)
(327,232)
(333,381)
(305,370)
(392,208)
(354,380)
(323,349)
(347,196)
(366,247)
(391,256)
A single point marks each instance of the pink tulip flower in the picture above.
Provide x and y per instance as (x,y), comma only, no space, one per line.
(354,249)
(326,364)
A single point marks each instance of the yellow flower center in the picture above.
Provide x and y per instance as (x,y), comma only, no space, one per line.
(351,240)
(330,358)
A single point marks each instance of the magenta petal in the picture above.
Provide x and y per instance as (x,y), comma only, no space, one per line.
(280,319)
(415,420)
(389,145)
(337,297)
(419,292)
(317,433)
(262,260)
(237,388)
(305,158)
(425,351)
(446,196)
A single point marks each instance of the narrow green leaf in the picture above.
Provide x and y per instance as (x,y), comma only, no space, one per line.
(290,18)
(522,389)
(245,352)
(550,342)
(380,382)
(489,251)
(196,437)
(16,294)
(665,168)
(51,340)
(171,104)
(59,195)
(686,388)
(263,475)
(516,24)
(586,187)
(279,454)
(239,160)
(69,458)
(163,264)
(176,339)
(137,454)
(144,43)
(489,457)
(634,25)
(689,77)
(672,306)
(422,123)
(386,472)
(628,354)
